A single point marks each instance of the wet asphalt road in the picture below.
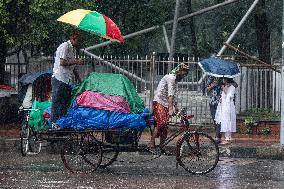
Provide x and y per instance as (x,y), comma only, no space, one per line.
(47,171)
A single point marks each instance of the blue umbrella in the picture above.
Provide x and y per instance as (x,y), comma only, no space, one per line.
(218,67)
(31,77)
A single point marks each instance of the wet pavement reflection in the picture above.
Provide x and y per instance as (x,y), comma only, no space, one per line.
(47,171)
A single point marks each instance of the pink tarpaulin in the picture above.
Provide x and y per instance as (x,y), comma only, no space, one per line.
(101,101)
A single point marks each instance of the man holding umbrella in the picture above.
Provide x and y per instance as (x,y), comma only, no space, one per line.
(65,58)
(64,67)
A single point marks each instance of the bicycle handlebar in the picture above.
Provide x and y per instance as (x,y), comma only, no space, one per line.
(29,109)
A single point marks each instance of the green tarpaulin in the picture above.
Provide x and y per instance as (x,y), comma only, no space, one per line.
(112,84)
(36,118)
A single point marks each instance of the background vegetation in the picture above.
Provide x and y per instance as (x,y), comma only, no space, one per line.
(30,26)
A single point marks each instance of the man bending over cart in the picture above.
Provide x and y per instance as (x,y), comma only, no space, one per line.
(164,101)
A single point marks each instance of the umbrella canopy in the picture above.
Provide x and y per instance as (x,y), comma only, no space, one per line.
(93,21)
(219,68)
(32,77)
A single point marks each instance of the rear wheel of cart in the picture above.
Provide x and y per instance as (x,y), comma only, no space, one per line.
(109,155)
(110,151)
(81,153)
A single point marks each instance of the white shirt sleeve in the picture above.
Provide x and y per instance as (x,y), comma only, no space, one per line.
(28,100)
(171,86)
(63,51)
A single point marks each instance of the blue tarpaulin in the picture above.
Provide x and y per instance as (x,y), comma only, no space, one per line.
(90,118)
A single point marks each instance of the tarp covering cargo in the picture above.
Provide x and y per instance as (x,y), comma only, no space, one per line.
(102,101)
(114,85)
(84,118)
(36,116)
(90,99)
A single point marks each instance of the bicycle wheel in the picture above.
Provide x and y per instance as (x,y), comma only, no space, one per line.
(81,153)
(197,153)
(25,133)
(109,156)
(34,144)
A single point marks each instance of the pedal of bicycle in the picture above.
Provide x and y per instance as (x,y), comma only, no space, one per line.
(155,151)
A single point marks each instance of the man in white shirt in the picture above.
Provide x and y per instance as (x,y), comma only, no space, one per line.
(64,68)
(164,100)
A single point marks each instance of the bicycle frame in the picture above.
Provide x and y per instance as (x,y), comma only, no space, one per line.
(184,127)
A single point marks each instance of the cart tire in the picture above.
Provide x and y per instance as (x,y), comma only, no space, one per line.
(81,154)
(34,144)
(25,134)
(197,153)
(109,156)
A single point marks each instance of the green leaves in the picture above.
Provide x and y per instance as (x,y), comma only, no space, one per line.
(31,24)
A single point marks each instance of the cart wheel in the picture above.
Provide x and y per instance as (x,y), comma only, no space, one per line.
(92,151)
(34,144)
(109,151)
(197,153)
(81,154)
(109,155)
(25,133)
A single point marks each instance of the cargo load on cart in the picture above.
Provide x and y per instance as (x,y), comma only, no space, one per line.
(105,101)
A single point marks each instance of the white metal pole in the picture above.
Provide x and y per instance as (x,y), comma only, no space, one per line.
(238,27)
(174,32)
(166,38)
(282,85)
(202,11)
(233,33)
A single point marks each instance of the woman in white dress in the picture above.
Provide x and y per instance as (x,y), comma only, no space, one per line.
(226,110)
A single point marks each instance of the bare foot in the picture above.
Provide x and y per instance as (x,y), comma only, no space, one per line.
(225,142)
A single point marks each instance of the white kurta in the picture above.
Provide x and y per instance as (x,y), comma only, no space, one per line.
(226,110)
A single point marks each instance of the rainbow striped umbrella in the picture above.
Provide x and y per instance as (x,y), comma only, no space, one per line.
(93,21)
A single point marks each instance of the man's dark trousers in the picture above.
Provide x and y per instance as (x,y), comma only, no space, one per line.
(61,97)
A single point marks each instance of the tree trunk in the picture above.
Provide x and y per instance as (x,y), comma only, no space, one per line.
(217,28)
(262,32)
(192,32)
(263,47)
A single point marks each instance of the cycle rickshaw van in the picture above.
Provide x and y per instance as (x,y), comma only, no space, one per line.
(107,116)
(34,95)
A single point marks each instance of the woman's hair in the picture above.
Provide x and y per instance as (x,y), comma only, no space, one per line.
(224,80)
(230,80)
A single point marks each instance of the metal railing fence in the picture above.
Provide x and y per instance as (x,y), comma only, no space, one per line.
(259,86)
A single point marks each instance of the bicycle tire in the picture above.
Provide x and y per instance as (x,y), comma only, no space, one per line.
(109,156)
(34,144)
(25,133)
(197,153)
(80,154)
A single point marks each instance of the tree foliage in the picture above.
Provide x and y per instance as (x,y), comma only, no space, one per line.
(31,26)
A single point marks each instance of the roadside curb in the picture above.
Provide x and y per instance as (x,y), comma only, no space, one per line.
(262,152)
